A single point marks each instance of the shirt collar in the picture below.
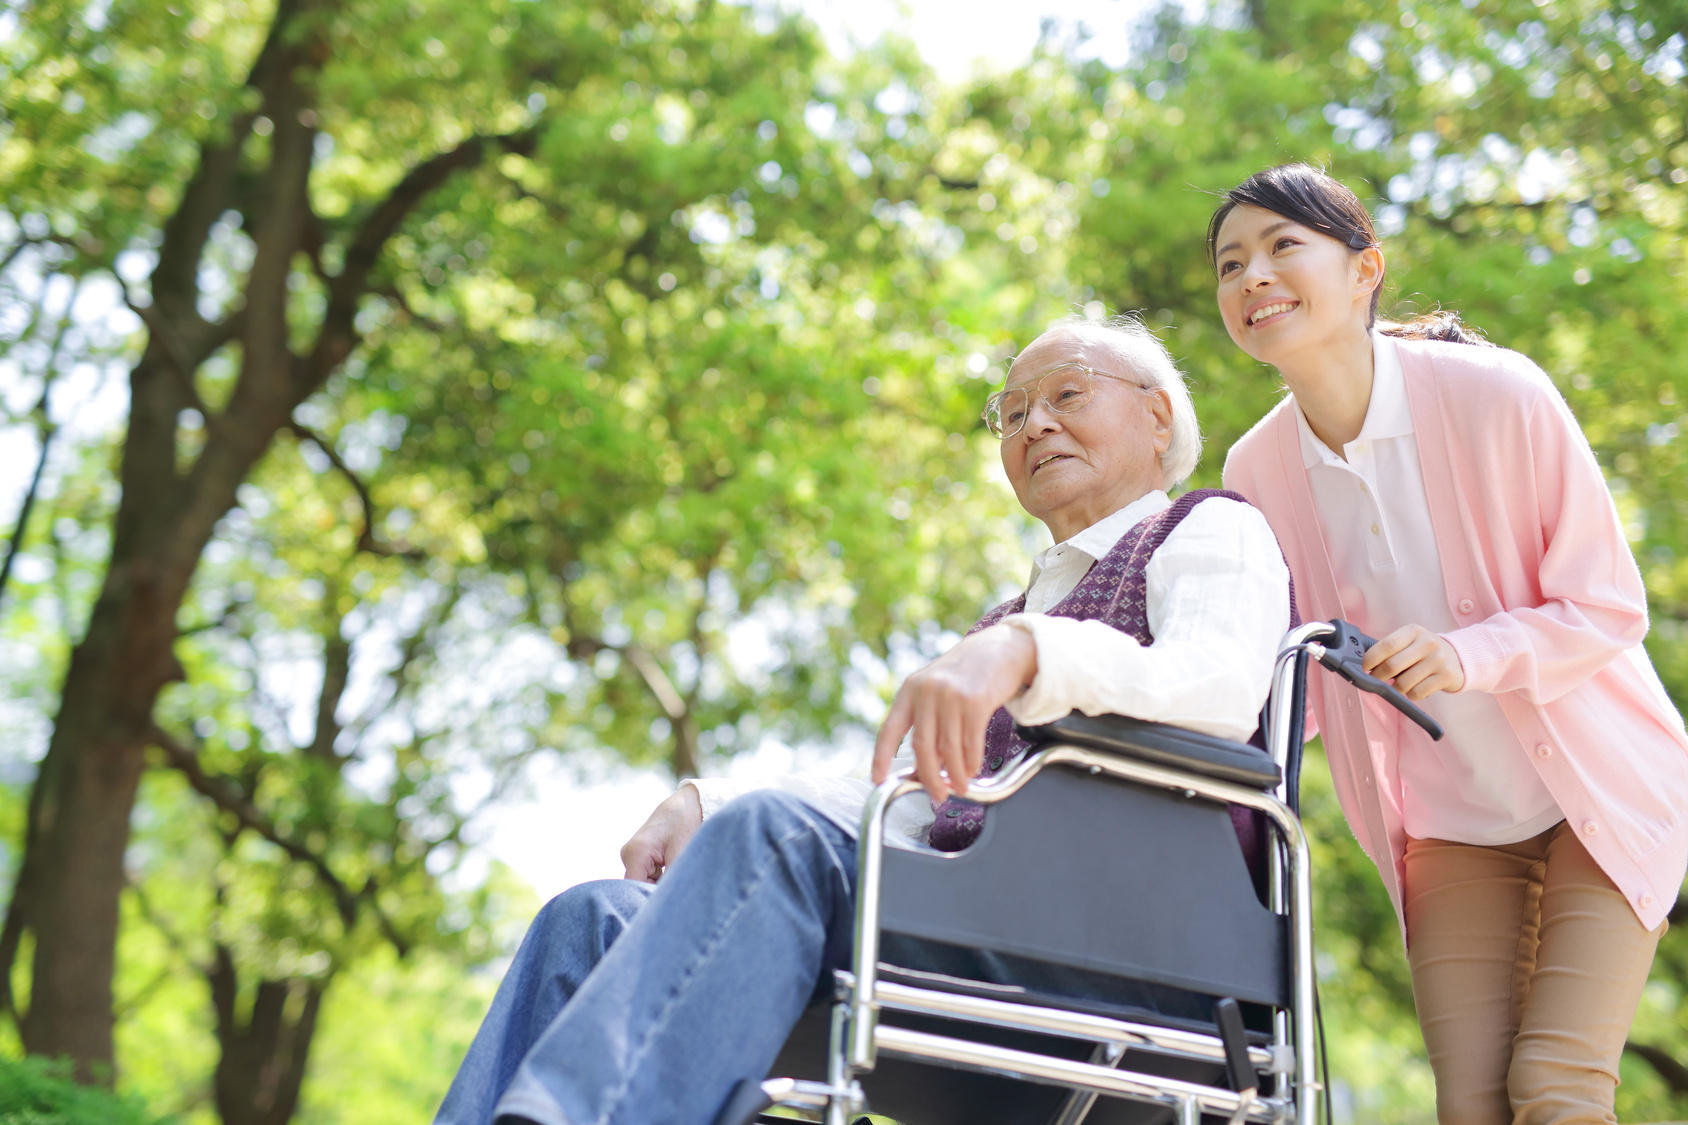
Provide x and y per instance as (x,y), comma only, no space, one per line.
(1099,538)
(1387,414)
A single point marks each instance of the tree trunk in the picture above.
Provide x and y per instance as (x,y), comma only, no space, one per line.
(70,881)
(71,878)
(261,1060)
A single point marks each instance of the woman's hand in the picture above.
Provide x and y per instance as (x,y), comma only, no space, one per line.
(949,703)
(1418,661)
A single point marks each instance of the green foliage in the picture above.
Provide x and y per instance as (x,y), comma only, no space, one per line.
(659,436)
(393,1035)
(38,1092)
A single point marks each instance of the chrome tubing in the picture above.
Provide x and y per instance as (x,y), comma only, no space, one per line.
(839,1109)
(864,1035)
(871,867)
(1283,689)
(1066,1072)
(1054,1021)
(1079,1102)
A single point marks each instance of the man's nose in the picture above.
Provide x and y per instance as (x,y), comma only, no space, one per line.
(1040,418)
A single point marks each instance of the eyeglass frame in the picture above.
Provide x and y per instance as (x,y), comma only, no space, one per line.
(1037,386)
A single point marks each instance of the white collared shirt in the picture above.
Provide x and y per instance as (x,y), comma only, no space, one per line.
(1376,523)
(1217,606)
(1217,609)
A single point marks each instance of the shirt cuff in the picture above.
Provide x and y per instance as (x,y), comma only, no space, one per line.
(713,792)
(1471,645)
(1040,701)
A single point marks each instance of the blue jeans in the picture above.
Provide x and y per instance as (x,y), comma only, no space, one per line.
(632,1004)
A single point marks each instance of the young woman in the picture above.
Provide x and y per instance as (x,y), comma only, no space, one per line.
(1437,492)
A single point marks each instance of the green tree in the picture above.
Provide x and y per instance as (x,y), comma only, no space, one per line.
(590,325)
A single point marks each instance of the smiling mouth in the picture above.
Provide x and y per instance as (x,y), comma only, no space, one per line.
(1271,310)
(1042,461)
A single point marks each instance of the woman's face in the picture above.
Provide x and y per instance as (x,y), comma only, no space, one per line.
(1286,290)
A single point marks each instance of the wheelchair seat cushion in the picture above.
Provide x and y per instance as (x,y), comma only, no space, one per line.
(1163,745)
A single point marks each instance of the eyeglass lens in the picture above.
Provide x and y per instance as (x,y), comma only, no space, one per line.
(1065,389)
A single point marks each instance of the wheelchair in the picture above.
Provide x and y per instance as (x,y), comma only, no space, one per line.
(1194,999)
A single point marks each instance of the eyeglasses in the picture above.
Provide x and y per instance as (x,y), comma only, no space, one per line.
(1066,389)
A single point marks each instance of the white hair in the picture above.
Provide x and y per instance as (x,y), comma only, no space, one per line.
(1142,354)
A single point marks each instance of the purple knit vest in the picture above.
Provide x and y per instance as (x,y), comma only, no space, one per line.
(1114,590)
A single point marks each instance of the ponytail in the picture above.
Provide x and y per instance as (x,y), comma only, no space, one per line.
(1443,325)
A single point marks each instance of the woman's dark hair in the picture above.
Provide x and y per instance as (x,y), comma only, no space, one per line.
(1316,200)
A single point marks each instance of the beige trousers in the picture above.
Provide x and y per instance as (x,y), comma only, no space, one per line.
(1527,966)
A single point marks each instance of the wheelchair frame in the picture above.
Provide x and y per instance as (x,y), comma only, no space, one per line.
(858,1036)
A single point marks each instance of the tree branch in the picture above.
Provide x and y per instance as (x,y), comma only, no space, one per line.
(16,545)
(558,213)
(227,796)
(366,537)
(19,247)
(157,921)
(338,335)
(656,679)
(1664,1062)
(165,336)
(409,653)
(208,192)
(395,295)
(336,673)
(46,431)
(674,706)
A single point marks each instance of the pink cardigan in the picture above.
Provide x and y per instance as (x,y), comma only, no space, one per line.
(1551,607)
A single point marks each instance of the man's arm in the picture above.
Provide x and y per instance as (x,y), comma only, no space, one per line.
(949,703)
(1218,606)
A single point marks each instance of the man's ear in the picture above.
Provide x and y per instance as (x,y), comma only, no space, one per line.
(1160,403)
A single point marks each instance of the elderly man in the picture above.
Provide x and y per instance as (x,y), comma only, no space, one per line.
(647,999)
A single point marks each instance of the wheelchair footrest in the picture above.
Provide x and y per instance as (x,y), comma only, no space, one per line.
(795,1093)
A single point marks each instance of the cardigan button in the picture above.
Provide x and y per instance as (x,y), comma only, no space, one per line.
(1591,828)
(1466,605)
(1544,751)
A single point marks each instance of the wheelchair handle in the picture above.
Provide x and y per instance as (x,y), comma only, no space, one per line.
(1341,649)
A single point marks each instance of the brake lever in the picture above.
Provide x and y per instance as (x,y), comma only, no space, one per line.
(1342,649)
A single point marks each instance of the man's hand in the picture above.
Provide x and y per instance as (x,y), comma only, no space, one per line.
(1418,661)
(949,703)
(664,835)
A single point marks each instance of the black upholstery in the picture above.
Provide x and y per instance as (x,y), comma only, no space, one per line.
(1171,901)
(1163,745)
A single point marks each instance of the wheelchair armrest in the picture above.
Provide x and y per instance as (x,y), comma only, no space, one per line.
(1161,744)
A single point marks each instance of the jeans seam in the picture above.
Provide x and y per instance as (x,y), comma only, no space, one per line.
(706,951)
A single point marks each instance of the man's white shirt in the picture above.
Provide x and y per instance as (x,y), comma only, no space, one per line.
(1217,608)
